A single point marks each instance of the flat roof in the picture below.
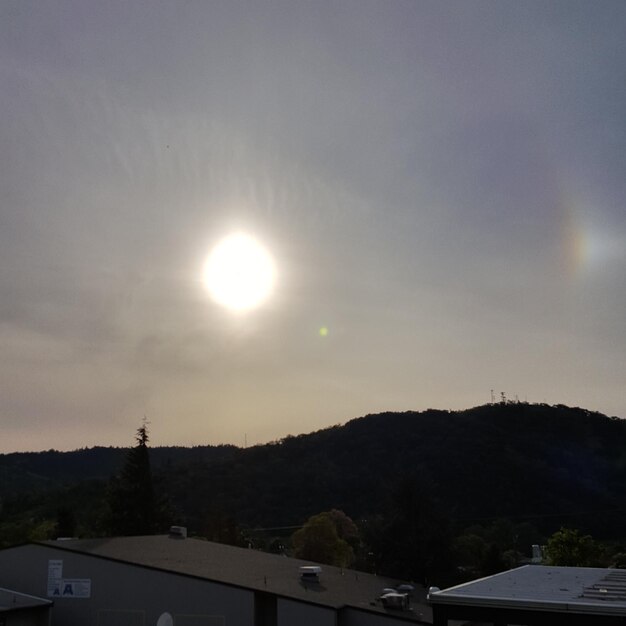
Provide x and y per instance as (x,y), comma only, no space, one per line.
(250,569)
(576,589)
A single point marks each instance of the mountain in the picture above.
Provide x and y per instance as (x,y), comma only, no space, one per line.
(550,465)
(516,460)
(26,472)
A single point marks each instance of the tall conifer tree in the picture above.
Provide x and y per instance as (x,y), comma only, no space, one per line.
(131,494)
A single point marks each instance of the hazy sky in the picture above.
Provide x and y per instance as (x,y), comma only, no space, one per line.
(442,185)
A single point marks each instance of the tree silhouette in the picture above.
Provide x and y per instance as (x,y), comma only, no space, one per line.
(65,525)
(412,540)
(222,528)
(568,547)
(319,540)
(131,494)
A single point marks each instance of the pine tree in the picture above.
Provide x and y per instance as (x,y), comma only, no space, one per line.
(131,494)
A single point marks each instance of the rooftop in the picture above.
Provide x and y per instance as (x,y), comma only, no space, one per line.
(13,601)
(579,589)
(250,569)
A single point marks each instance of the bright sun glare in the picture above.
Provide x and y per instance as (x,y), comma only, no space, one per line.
(239,273)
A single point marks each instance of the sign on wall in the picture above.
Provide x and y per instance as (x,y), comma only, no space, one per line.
(59,587)
(55,574)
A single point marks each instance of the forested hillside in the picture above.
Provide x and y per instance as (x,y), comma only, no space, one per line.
(548,465)
(24,472)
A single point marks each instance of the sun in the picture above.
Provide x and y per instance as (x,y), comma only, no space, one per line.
(239,273)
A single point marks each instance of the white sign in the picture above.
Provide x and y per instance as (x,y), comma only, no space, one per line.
(71,588)
(55,569)
(55,574)
(59,587)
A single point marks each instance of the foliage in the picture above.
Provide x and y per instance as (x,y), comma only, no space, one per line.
(26,472)
(131,494)
(320,539)
(470,551)
(494,461)
(346,528)
(568,547)
(65,525)
(222,528)
(514,460)
(481,550)
(492,561)
(413,540)
(502,461)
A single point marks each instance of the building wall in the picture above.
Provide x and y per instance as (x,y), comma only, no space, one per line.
(127,595)
(292,612)
(122,594)
(354,617)
(25,617)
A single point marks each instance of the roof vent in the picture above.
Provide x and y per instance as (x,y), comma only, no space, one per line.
(310,573)
(431,591)
(178,532)
(395,600)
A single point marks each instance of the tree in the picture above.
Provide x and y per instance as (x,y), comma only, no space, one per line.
(319,539)
(131,494)
(492,562)
(346,528)
(222,528)
(65,525)
(569,548)
(413,540)
(469,552)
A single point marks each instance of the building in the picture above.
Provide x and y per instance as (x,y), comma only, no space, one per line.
(536,595)
(20,609)
(168,581)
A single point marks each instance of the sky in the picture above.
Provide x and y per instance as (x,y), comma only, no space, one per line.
(441,186)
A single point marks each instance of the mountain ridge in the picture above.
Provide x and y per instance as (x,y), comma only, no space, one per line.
(513,460)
